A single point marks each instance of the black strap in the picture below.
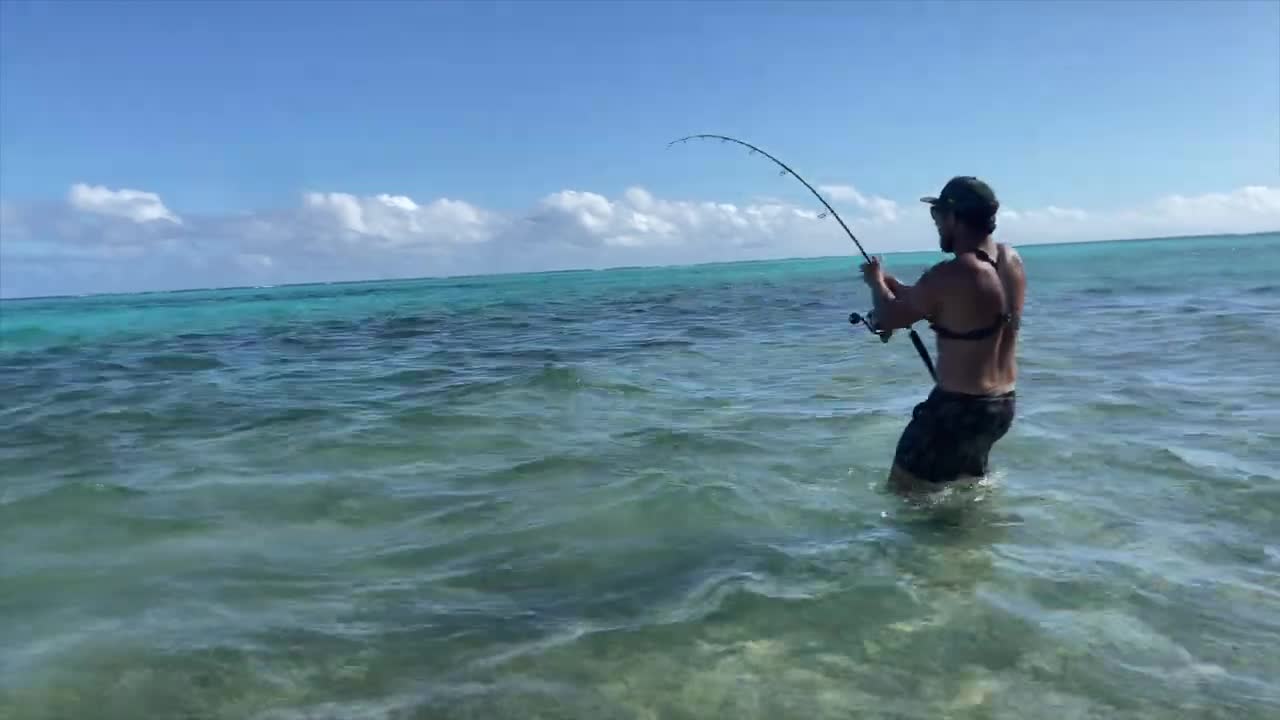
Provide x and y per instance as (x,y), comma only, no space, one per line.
(983,332)
(978,334)
(982,255)
(924,354)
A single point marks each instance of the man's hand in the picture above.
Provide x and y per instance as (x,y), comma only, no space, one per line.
(895,304)
(873,273)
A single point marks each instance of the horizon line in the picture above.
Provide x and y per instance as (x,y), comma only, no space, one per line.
(612,268)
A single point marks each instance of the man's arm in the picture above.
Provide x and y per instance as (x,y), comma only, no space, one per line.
(900,306)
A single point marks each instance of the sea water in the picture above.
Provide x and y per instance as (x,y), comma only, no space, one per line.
(639,493)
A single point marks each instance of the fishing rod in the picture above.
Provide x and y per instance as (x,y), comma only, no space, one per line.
(854,318)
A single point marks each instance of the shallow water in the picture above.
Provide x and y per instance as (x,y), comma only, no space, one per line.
(639,494)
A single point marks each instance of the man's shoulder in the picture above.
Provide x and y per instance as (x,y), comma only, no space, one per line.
(941,279)
(944,270)
(1009,253)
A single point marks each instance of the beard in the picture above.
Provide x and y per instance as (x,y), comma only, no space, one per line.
(945,241)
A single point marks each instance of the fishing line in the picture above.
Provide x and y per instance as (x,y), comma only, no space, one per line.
(854,318)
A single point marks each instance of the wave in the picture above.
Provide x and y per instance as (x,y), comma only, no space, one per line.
(554,466)
(402,328)
(62,501)
(849,421)
(710,332)
(267,418)
(13,338)
(415,376)
(181,362)
(662,344)
(661,439)
(556,378)
(1198,459)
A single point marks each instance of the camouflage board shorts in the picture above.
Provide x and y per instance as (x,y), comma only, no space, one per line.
(951,434)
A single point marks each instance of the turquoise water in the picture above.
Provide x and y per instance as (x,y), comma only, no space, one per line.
(643,493)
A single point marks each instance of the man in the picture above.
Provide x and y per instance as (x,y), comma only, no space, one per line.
(973,303)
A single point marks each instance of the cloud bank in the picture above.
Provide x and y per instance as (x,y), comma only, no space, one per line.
(1246,210)
(135,205)
(102,239)
(881,208)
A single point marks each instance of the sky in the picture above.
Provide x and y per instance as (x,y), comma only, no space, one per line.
(152,146)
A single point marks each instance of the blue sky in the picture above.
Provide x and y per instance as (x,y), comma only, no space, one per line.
(1100,114)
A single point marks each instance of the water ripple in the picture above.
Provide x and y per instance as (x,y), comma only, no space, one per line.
(637,493)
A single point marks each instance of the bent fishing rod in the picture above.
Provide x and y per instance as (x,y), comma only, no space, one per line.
(854,318)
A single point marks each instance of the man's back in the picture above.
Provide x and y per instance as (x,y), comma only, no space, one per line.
(978,320)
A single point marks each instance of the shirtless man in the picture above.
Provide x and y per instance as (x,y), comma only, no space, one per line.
(973,303)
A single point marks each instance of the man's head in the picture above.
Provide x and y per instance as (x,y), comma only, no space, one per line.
(964,211)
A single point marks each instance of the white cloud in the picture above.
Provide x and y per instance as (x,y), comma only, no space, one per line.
(1241,208)
(882,209)
(135,205)
(1245,210)
(639,220)
(1058,213)
(397,220)
(1048,214)
(122,240)
(255,261)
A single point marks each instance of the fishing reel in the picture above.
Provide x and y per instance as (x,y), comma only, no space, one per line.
(869,320)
